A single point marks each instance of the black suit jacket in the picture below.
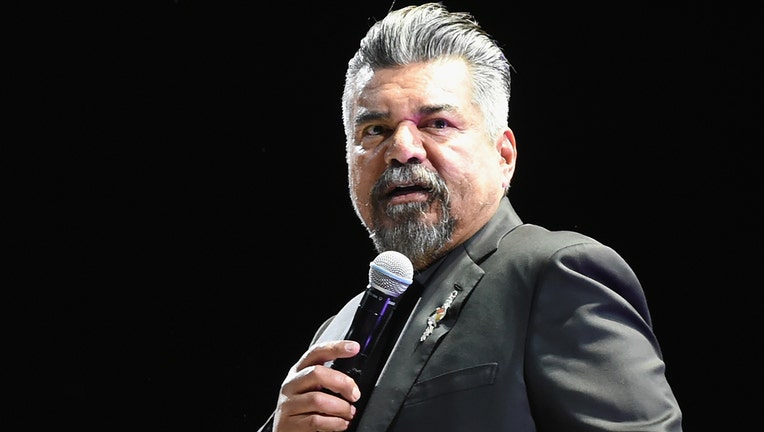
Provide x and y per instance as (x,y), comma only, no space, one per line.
(549,331)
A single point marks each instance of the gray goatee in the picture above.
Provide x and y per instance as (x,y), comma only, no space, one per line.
(403,227)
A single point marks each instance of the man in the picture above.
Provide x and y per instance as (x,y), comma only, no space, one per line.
(535,330)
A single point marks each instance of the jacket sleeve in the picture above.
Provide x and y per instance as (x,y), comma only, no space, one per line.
(593,362)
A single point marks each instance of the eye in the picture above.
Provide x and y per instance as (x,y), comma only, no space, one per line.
(374,130)
(436,124)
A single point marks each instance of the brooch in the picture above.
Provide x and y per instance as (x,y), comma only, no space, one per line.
(435,317)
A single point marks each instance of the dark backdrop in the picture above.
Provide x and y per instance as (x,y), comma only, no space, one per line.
(183,218)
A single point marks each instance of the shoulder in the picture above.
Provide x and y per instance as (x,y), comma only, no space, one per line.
(539,241)
(568,263)
(559,255)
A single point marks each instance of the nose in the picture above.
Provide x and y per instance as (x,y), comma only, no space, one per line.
(405,145)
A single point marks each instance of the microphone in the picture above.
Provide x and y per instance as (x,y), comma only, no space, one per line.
(390,274)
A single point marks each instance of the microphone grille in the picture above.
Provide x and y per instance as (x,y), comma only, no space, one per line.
(391,272)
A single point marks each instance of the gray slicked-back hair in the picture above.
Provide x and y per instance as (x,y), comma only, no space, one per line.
(428,32)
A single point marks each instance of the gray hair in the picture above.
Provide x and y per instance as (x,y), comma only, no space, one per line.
(428,32)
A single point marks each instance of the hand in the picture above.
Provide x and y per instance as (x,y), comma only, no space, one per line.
(304,403)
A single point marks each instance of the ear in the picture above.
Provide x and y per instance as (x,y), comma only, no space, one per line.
(507,148)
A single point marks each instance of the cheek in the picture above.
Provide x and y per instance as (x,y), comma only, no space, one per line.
(471,184)
(360,189)
(365,168)
(361,179)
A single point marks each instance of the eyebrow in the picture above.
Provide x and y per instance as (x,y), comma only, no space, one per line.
(367,116)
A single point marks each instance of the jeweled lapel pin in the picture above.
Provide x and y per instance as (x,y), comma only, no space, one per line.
(434,319)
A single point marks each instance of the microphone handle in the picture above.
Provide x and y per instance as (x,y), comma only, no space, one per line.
(371,318)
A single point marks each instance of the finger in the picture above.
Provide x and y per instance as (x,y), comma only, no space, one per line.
(320,378)
(312,422)
(318,403)
(319,423)
(328,351)
(316,411)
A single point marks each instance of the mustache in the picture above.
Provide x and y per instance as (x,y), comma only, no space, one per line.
(409,175)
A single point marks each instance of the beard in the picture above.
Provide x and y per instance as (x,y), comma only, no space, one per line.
(404,227)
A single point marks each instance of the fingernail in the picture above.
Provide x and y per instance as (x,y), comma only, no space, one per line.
(356,393)
(349,347)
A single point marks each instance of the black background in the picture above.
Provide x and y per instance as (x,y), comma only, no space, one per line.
(179,218)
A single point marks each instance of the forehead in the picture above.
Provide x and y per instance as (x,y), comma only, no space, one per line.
(440,81)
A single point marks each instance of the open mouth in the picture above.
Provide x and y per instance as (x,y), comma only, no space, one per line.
(408,193)
(407,190)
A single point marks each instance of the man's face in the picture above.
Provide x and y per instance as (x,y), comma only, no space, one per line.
(422,117)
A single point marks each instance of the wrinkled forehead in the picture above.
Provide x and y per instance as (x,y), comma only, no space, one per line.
(447,78)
